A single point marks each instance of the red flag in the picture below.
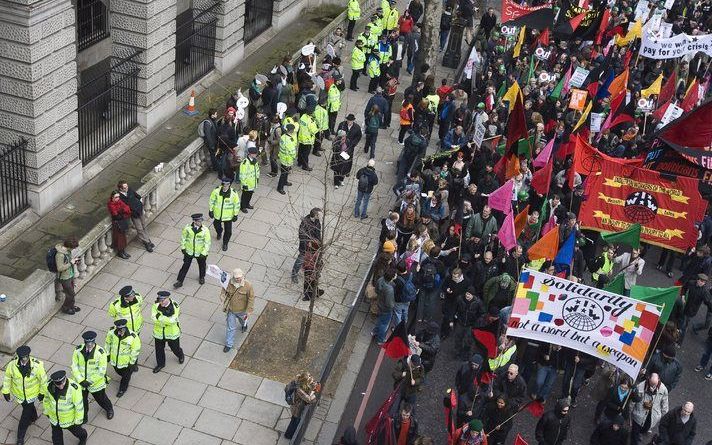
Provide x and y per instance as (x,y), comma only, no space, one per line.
(593,88)
(450,404)
(660,112)
(576,21)
(519,441)
(381,423)
(487,338)
(397,345)
(668,90)
(499,169)
(588,160)
(516,125)
(604,24)
(541,179)
(617,101)
(627,57)
(544,37)
(621,118)
(691,98)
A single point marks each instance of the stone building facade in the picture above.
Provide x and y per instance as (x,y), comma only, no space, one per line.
(62,58)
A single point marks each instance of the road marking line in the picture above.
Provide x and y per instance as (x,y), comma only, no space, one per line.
(371,382)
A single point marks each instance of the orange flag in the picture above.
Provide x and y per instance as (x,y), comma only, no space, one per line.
(520,221)
(512,166)
(546,247)
(619,84)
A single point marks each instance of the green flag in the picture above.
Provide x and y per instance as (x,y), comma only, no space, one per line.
(542,217)
(502,90)
(663,296)
(556,93)
(524,146)
(530,74)
(617,285)
(630,236)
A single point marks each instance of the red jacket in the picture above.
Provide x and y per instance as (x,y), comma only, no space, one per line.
(118,209)
(406,25)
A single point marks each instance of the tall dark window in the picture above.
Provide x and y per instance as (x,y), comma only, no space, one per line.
(92,22)
(258,17)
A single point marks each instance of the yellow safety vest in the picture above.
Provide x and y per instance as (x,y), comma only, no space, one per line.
(195,244)
(502,359)
(92,370)
(307,130)
(224,209)
(358,59)
(333,100)
(386,7)
(166,328)
(433,102)
(122,351)
(605,269)
(392,19)
(353,11)
(289,120)
(24,388)
(249,174)
(66,410)
(321,117)
(374,67)
(287,150)
(132,314)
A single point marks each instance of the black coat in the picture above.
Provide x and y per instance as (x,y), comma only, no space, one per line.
(493,416)
(370,173)
(133,200)
(513,391)
(552,427)
(673,432)
(412,431)
(604,434)
(353,135)
(308,230)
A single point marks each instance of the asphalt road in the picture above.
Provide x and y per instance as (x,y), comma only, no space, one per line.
(429,408)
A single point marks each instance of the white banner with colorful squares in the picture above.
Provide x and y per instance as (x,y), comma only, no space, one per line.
(608,326)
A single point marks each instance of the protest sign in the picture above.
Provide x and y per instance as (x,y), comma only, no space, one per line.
(602,324)
(679,45)
(578,77)
(671,113)
(219,274)
(596,121)
(578,99)
(479,134)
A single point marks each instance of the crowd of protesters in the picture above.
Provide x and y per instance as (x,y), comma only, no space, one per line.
(443,272)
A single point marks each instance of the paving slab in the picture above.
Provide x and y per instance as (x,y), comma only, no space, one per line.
(178,412)
(251,433)
(217,424)
(183,389)
(271,391)
(222,400)
(258,411)
(188,436)
(154,431)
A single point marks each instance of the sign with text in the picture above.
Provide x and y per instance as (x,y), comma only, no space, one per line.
(602,324)
(578,99)
(578,77)
(676,46)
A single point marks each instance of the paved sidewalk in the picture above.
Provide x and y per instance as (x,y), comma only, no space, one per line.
(77,214)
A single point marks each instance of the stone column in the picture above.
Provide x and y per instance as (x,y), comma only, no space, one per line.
(38,83)
(149,25)
(285,12)
(229,42)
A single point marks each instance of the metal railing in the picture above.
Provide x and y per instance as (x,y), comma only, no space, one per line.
(92,23)
(258,17)
(195,47)
(13,181)
(108,107)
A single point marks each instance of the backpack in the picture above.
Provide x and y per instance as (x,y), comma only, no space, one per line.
(51,259)
(201,127)
(409,289)
(430,277)
(373,124)
(290,390)
(363,182)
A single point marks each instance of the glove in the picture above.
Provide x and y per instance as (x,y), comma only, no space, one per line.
(40,397)
(85,384)
(134,367)
(234,218)
(7,397)
(210,214)
(158,314)
(183,250)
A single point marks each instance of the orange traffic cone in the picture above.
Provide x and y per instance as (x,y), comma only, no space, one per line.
(190,108)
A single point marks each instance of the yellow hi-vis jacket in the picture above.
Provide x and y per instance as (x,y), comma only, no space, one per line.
(24,388)
(66,410)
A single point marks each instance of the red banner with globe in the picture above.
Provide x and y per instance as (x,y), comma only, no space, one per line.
(667,207)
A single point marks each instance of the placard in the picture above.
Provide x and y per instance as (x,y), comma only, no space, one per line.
(578,77)
(578,99)
(479,135)
(596,122)
(672,113)
(214,271)
(602,324)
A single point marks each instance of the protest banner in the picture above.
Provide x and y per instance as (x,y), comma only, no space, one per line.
(214,271)
(666,207)
(578,77)
(607,326)
(578,99)
(535,17)
(679,45)
(671,113)
(691,134)
(596,122)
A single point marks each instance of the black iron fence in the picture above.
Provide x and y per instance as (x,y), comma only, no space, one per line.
(92,23)
(13,181)
(195,45)
(108,106)
(258,17)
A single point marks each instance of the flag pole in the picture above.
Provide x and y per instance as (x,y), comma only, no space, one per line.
(522,408)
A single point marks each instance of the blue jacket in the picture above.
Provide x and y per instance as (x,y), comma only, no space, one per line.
(452,139)
(376,99)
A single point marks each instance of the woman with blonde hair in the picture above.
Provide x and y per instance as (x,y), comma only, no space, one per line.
(305,388)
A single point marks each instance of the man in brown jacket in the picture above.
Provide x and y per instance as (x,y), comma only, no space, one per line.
(238,303)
